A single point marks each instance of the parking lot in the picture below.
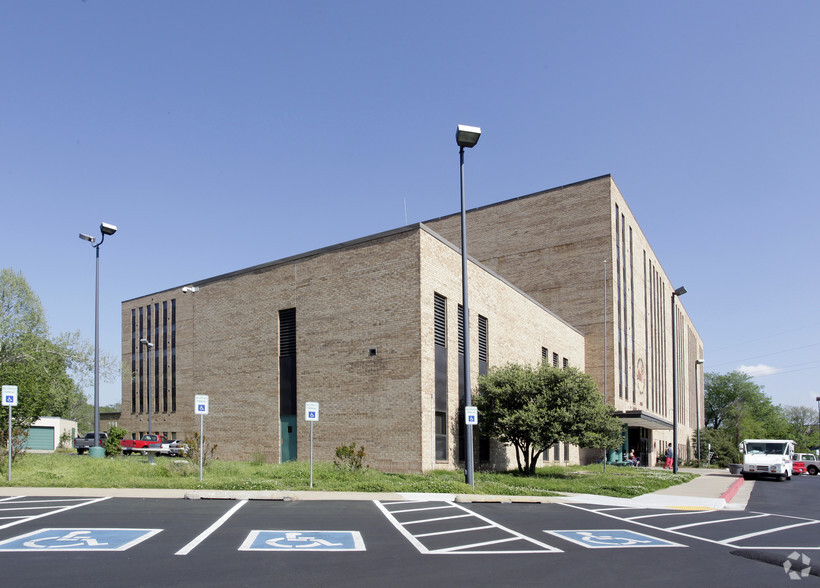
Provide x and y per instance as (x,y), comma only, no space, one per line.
(398,543)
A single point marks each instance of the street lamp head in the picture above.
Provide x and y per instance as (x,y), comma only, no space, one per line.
(146,342)
(679,291)
(698,362)
(88,238)
(190,289)
(467,136)
(107,229)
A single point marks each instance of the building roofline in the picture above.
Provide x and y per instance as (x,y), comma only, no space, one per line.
(530,195)
(348,244)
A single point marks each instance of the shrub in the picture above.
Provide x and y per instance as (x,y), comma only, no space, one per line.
(349,459)
(197,446)
(112,443)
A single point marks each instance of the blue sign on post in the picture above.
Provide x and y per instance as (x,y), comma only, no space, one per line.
(303,541)
(83,539)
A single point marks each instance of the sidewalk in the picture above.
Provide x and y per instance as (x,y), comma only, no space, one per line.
(711,490)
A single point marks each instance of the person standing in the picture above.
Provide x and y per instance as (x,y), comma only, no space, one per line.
(669,456)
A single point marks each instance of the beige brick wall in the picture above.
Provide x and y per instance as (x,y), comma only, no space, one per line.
(553,246)
(518,328)
(371,294)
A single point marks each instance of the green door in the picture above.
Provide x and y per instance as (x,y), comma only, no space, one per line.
(288,441)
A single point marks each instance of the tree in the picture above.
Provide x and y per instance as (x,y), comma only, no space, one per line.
(47,370)
(801,422)
(533,408)
(735,408)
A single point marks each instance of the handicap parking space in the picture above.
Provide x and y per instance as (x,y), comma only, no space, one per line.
(733,529)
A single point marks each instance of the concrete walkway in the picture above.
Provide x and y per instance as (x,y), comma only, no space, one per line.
(712,489)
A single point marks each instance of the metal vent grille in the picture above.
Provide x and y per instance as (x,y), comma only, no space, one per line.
(440,320)
(287,332)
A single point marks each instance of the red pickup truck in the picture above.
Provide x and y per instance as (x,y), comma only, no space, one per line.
(148,443)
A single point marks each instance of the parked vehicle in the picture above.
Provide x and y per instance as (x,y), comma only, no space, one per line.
(767,457)
(798,467)
(83,444)
(174,448)
(810,460)
(148,443)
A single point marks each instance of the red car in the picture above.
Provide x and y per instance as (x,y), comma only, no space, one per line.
(798,467)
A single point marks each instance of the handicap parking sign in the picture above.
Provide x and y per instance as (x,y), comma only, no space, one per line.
(613,538)
(303,541)
(82,539)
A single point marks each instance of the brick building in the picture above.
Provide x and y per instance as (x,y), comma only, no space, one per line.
(369,329)
(559,246)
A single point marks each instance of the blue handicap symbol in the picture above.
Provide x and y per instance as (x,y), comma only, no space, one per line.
(78,540)
(608,538)
(312,414)
(303,541)
(9,399)
(471,418)
(201,408)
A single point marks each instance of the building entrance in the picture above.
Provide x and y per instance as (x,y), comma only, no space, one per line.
(288,438)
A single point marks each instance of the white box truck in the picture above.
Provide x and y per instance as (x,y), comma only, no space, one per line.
(767,457)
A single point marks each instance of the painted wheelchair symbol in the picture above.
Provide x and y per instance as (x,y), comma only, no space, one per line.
(72,539)
(610,540)
(296,540)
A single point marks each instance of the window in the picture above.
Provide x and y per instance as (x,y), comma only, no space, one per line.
(544,354)
(287,362)
(440,338)
(566,363)
(554,360)
(483,349)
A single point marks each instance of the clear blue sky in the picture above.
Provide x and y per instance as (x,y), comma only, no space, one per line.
(219,135)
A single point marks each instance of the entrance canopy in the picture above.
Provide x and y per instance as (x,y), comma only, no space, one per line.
(639,418)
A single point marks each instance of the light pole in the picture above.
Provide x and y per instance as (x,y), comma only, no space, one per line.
(678,292)
(105,229)
(466,137)
(697,402)
(149,345)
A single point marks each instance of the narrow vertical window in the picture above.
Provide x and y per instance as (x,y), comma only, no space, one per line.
(483,346)
(173,355)
(544,354)
(149,401)
(288,394)
(462,428)
(141,362)
(287,362)
(157,348)
(554,360)
(133,360)
(165,356)
(440,409)
(565,363)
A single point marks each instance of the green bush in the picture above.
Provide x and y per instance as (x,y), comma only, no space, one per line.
(112,443)
(349,459)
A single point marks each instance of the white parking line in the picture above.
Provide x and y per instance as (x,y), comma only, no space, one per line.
(731,540)
(731,520)
(472,548)
(26,518)
(207,532)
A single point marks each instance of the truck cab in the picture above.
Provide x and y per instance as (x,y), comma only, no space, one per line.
(767,457)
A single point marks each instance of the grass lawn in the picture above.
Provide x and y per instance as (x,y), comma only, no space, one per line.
(69,470)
